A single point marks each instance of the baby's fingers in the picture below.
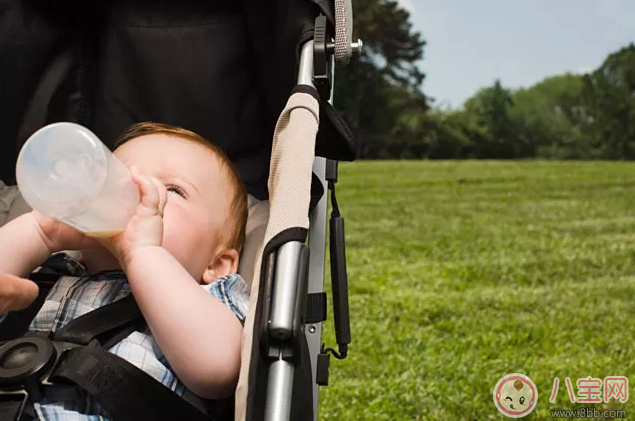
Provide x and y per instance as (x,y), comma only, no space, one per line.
(153,194)
(163,193)
(16,293)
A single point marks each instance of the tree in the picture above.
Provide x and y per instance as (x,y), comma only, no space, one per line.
(376,88)
(563,117)
(548,118)
(609,101)
(487,114)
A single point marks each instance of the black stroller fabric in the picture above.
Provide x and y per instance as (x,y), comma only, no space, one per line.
(223,69)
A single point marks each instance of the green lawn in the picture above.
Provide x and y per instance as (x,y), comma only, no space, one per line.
(462,272)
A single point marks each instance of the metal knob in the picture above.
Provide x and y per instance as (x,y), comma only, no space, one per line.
(356,47)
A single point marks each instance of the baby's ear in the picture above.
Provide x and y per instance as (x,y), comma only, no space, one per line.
(224,263)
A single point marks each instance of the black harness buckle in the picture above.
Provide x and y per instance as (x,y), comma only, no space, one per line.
(24,361)
(25,366)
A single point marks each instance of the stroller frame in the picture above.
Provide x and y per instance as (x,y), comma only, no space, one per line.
(292,270)
(288,284)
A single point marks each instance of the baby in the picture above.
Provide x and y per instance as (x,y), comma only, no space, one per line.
(178,256)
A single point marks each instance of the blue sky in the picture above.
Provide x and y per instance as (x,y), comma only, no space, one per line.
(473,42)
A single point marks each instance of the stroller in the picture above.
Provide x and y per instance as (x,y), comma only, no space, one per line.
(256,78)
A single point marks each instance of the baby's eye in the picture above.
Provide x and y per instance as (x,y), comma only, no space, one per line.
(522,400)
(509,398)
(176,189)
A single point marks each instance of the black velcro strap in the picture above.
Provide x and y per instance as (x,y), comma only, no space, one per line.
(125,392)
(110,318)
(316,307)
(334,140)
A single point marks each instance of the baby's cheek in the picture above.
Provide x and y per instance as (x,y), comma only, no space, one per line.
(176,230)
(186,243)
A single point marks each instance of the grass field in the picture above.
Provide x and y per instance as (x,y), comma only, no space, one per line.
(462,272)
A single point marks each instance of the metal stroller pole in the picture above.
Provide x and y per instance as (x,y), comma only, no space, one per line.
(305,71)
(288,289)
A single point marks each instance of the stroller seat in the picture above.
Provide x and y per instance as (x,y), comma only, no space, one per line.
(252,76)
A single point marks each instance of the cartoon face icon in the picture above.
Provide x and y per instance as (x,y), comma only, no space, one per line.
(515,395)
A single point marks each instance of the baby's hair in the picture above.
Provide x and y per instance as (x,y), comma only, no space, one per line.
(234,235)
(518,385)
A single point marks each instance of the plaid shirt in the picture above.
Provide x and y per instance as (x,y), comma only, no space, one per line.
(79,293)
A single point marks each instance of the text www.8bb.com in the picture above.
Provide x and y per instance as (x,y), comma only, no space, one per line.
(588,413)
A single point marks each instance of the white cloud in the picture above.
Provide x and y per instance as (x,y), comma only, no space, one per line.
(406,4)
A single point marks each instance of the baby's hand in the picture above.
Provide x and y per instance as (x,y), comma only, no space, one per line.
(145,229)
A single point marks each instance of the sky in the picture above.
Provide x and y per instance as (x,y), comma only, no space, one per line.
(471,43)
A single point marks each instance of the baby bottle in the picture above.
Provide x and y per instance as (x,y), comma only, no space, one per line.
(65,171)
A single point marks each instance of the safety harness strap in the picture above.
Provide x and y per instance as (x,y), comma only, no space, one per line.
(125,392)
(101,323)
(109,378)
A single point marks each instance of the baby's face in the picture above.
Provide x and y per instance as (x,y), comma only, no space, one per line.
(198,194)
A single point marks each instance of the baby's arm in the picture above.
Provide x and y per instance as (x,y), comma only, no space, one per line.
(199,335)
(21,250)
(22,247)
(25,243)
